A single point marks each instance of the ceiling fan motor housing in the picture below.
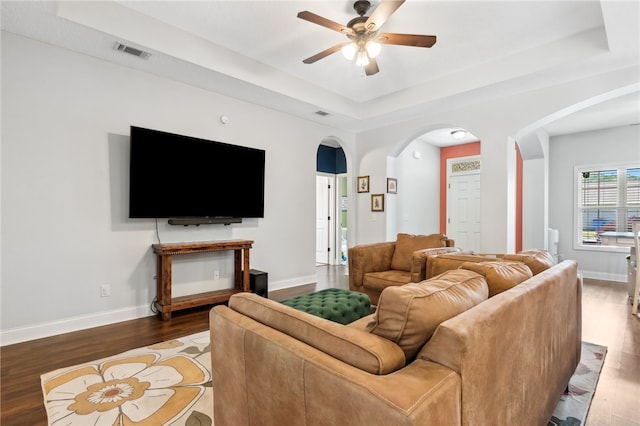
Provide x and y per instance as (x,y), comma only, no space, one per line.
(361,7)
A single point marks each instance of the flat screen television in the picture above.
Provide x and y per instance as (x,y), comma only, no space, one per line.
(191,180)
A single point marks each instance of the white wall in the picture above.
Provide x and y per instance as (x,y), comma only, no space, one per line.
(534,180)
(415,208)
(620,144)
(418,195)
(535,196)
(65,231)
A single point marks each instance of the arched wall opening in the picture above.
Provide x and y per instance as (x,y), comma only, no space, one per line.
(420,167)
(332,203)
(533,144)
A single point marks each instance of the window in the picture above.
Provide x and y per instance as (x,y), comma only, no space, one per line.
(608,197)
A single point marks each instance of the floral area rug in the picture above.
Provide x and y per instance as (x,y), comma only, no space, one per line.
(164,384)
(169,383)
(574,405)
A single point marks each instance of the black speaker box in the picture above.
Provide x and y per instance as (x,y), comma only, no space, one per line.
(259,282)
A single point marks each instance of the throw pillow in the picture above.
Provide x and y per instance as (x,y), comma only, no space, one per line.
(437,264)
(409,314)
(500,276)
(406,244)
(536,260)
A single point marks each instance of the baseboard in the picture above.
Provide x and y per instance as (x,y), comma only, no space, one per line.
(67,325)
(604,276)
(287,293)
(293,282)
(291,288)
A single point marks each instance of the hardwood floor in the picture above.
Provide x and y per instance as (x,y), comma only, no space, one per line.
(606,320)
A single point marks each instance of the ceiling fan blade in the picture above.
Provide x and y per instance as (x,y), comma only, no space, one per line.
(381,13)
(327,23)
(372,67)
(324,53)
(407,39)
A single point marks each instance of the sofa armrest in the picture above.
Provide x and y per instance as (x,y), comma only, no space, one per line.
(358,348)
(363,258)
(419,261)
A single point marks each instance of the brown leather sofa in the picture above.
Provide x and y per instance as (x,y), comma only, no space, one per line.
(438,352)
(376,266)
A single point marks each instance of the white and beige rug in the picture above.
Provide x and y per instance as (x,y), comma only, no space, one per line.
(164,384)
(170,384)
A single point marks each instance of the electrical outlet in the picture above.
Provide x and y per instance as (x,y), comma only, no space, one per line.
(216,275)
(105,290)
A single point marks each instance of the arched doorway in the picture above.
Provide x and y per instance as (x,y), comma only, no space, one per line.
(331,205)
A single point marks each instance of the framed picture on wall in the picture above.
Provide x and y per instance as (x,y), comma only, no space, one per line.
(363,183)
(377,202)
(392,185)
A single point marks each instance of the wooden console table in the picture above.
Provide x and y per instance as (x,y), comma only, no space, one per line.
(165,304)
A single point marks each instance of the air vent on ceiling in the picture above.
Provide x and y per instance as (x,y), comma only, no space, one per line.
(322,113)
(132,50)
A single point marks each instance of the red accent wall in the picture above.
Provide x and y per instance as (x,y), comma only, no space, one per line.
(456,151)
(518,200)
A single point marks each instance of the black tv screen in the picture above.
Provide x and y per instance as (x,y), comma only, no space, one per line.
(175,176)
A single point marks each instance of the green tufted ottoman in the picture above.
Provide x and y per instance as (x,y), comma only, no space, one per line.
(334,304)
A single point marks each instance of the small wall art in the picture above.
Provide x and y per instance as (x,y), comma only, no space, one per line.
(392,185)
(377,202)
(363,183)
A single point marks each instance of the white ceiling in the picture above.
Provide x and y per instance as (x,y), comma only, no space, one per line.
(253,50)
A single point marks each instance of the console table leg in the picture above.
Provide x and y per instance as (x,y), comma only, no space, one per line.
(245,276)
(163,283)
(166,315)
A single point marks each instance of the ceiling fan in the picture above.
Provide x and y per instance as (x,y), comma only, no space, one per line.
(363,33)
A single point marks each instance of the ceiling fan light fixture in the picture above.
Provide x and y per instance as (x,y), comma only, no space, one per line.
(349,51)
(373,49)
(459,134)
(362,59)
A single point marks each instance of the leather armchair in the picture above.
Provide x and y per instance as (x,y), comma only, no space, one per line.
(376,266)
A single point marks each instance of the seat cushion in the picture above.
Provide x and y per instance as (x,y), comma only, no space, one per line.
(500,276)
(406,244)
(380,280)
(408,315)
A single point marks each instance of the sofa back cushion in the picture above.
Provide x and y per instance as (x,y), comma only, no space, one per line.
(439,263)
(353,346)
(500,276)
(408,315)
(406,244)
(536,260)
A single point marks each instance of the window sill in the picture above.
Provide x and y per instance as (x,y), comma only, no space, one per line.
(601,248)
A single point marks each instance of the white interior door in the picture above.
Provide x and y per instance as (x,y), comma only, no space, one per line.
(463,224)
(323,219)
